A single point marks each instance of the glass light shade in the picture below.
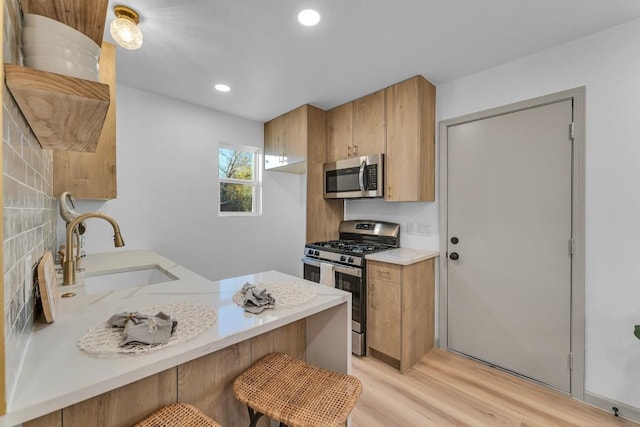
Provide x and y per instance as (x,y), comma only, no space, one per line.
(309,17)
(126,33)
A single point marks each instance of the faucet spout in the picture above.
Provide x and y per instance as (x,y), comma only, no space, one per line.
(69,266)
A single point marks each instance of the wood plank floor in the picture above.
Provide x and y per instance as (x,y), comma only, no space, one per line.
(445,389)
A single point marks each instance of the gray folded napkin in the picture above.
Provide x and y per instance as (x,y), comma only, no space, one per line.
(142,328)
(256,300)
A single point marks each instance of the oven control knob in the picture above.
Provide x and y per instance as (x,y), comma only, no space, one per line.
(350,260)
(316,253)
(310,252)
(343,258)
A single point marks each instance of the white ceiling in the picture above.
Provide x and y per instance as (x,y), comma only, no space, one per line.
(274,64)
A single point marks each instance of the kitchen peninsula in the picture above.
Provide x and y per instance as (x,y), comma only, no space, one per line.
(59,380)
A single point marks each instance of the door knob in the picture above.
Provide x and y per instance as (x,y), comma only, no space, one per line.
(454,256)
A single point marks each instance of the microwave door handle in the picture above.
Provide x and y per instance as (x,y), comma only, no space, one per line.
(363,165)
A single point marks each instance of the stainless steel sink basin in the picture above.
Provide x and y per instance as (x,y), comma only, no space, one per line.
(125,279)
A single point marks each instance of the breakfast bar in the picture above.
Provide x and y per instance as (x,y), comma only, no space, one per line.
(59,379)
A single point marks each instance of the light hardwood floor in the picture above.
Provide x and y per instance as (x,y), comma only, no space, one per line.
(445,389)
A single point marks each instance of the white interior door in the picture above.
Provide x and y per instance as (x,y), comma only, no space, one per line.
(509,210)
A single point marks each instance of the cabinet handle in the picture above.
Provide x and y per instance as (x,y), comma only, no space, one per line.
(355,150)
(348,151)
(389,191)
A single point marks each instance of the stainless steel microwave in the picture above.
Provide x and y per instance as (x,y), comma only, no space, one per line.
(355,177)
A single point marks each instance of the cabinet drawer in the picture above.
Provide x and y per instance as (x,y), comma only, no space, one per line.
(384,271)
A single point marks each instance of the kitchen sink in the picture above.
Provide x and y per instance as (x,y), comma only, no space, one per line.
(125,279)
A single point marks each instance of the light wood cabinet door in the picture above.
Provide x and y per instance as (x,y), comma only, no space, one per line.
(384,317)
(294,144)
(273,137)
(92,175)
(285,141)
(401,311)
(340,132)
(369,124)
(410,147)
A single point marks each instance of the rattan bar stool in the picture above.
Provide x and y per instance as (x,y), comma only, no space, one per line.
(178,415)
(296,393)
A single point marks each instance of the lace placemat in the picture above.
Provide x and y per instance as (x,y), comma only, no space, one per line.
(193,319)
(286,294)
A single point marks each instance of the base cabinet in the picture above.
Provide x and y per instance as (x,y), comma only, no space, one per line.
(400,316)
(205,382)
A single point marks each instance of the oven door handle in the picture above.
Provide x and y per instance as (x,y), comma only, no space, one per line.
(361,180)
(350,271)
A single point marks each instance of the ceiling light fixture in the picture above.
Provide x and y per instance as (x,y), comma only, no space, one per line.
(309,17)
(221,87)
(124,29)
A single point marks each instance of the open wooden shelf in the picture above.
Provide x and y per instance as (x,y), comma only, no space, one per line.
(88,17)
(64,112)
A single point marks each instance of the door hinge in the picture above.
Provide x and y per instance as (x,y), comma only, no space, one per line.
(571,246)
(572,130)
(570,361)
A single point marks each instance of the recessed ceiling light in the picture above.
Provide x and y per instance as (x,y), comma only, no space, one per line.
(309,17)
(220,87)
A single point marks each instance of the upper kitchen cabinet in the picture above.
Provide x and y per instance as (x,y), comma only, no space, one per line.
(340,132)
(369,124)
(285,141)
(92,175)
(356,128)
(410,146)
(306,129)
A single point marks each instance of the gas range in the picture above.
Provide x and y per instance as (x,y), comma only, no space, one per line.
(341,263)
(349,252)
(358,238)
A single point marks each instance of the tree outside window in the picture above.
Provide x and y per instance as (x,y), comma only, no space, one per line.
(240,183)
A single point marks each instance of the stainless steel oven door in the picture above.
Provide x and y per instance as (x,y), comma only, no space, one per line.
(348,279)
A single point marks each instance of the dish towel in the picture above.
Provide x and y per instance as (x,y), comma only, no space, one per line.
(144,329)
(327,276)
(256,300)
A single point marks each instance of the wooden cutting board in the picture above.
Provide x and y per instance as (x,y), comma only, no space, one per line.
(48,286)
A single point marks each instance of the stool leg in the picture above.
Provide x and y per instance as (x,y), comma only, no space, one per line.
(253,416)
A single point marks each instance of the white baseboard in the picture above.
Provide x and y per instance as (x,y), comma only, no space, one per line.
(624,411)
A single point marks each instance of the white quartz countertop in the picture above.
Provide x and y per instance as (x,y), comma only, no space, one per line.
(56,373)
(403,256)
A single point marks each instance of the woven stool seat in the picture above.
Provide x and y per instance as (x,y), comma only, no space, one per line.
(178,415)
(296,393)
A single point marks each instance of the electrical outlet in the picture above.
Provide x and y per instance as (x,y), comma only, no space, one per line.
(28,279)
(411,228)
(424,229)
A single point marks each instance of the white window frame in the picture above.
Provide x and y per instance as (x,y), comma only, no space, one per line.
(256,183)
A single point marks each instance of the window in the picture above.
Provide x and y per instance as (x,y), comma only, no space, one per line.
(240,180)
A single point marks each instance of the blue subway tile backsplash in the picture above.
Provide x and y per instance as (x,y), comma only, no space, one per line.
(29,209)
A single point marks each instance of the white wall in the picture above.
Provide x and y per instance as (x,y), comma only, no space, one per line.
(168,192)
(608,64)
(403,213)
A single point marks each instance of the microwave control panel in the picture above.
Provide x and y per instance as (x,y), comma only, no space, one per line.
(372,177)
